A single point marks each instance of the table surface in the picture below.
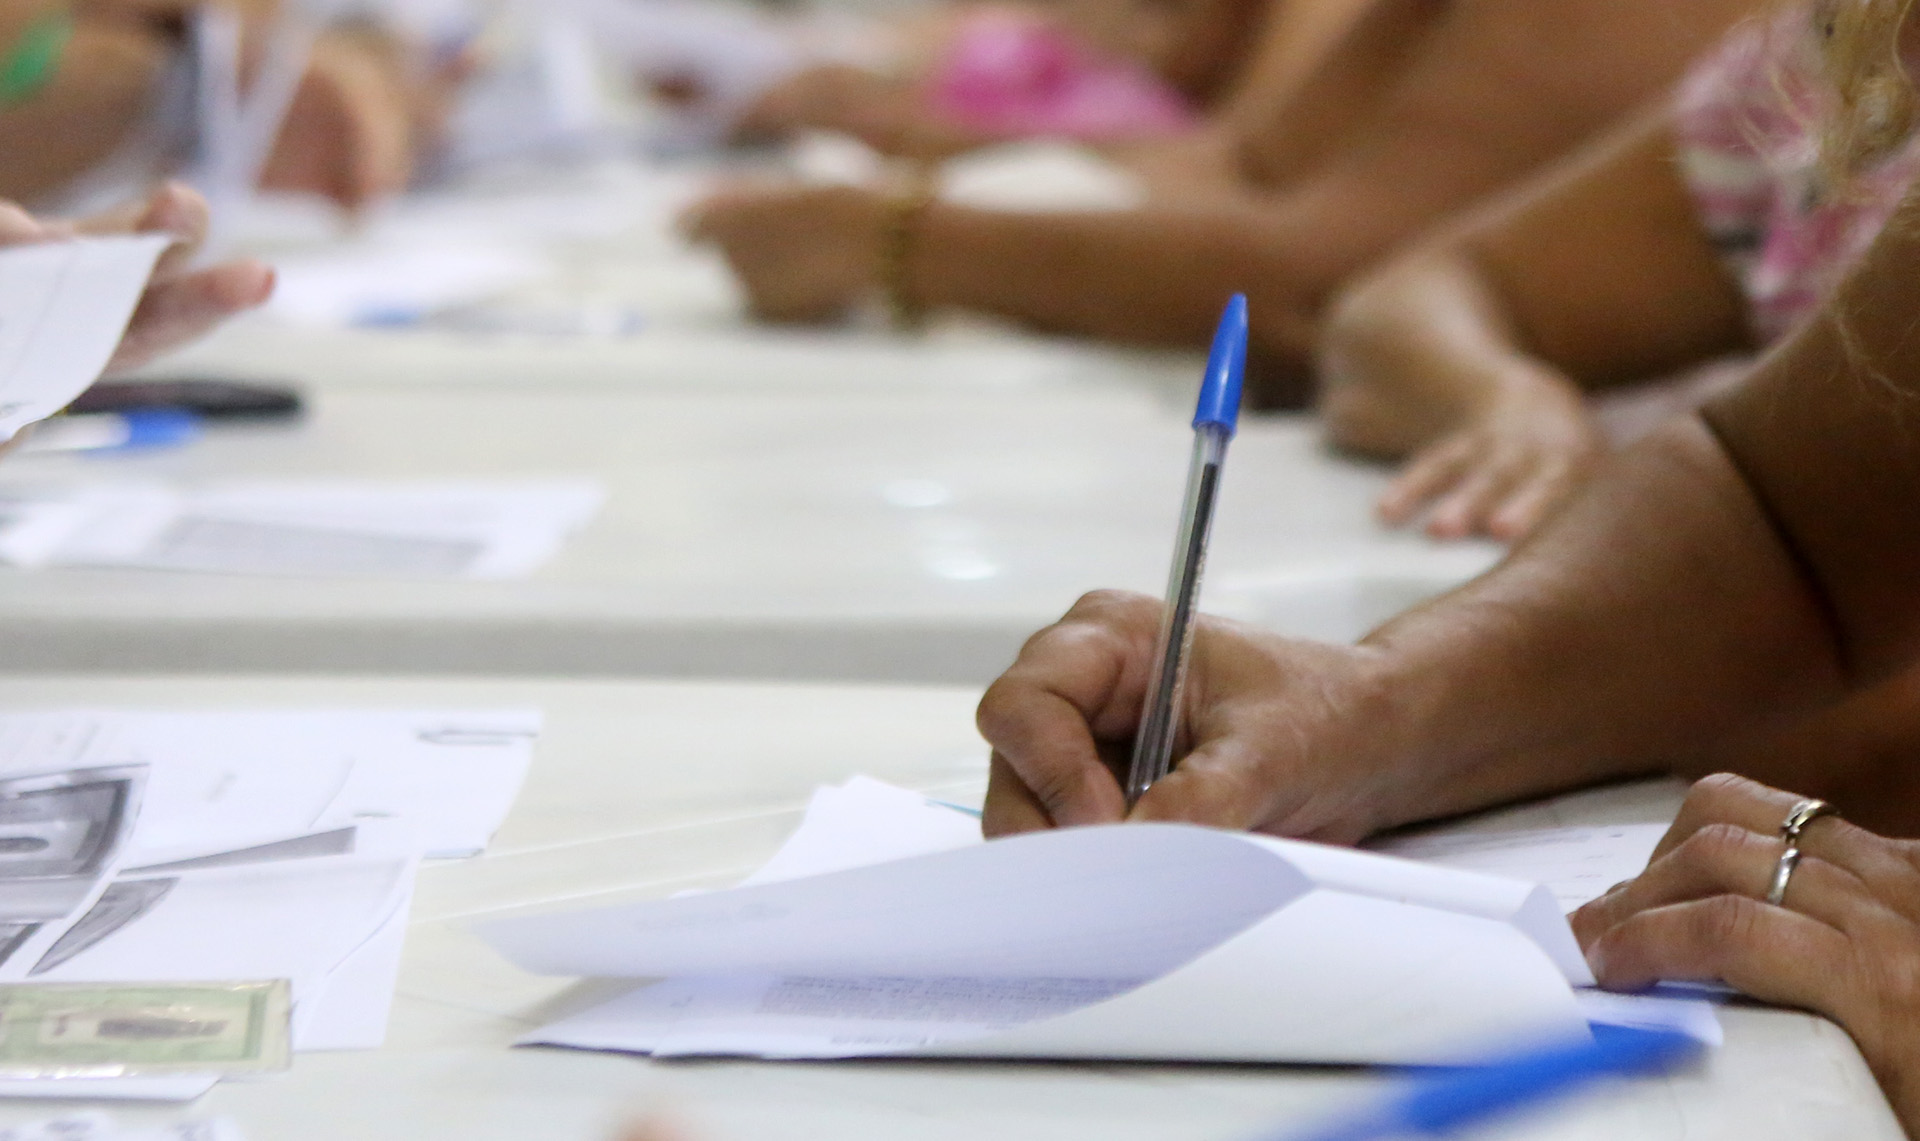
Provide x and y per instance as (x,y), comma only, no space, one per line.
(917,534)
(640,789)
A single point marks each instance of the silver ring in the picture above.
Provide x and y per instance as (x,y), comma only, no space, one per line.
(1782,875)
(1803,814)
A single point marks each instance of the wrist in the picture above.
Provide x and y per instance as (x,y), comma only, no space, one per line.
(903,214)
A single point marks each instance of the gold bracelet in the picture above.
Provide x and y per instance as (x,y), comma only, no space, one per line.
(904,211)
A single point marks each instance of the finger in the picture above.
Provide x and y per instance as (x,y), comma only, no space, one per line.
(1045,740)
(1045,716)
(1429,474)
(1888,868)
(1528,503)
(1011,806)
(173,208)
(17,226)
(1217,784)
(174,312)
(1725,798)
(1466,509)
(1722,859)
(1770,953)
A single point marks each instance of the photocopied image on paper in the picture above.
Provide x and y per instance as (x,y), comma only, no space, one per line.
(885,926)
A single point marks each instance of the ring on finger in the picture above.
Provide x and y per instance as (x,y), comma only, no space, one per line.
(1804,813)
(1783,874)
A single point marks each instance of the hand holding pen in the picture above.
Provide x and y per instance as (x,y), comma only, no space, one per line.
(1259,747)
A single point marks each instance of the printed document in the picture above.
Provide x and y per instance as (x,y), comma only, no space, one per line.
(153,847)
(330,529)
(886,927)
(64,305)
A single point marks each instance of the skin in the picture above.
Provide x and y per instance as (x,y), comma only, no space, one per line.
(1844,942)
(359,119)
(1734,571)
(87,110)
(1473,354)
(181,303)
(1422,109)
(1210,50)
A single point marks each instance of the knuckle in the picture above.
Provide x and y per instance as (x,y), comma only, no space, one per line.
(1725,921)
(1717,790)
(1716,844)
(998,710)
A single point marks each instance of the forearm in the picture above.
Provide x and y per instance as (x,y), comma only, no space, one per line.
(107,75)
(1152,276)
(1658,614)
(1827,432)
(1409,352)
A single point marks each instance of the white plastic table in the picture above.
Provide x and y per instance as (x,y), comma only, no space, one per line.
(912,534)
(642,789)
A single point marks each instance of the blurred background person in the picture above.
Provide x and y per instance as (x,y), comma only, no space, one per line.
(1417,111)
(98,97)
(1705,230)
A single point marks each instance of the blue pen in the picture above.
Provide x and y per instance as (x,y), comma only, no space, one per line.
(1452,1100)
(100,433)
(1214,422)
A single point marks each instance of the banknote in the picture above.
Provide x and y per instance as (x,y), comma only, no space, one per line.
(124,1029)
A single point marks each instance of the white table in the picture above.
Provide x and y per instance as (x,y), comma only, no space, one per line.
(641,789)
(913,534)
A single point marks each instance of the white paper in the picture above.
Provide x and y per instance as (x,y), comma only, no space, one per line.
(101,1127)
(1578,863)
(1294,952)
(226,780)
(331,529)
(64,306)
(862,822)
(171,1088)
(296,921)
(826,952)
(368,282)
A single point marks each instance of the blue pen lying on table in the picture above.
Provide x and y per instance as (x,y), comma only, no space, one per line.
(1442,1103)
(1214,423)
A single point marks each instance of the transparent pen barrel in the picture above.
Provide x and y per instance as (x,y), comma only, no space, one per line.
(1166,681)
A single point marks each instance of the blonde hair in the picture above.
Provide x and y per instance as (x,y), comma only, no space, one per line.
(1874,109)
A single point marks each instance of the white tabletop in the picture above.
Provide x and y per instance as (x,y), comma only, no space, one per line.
(641,789)
(918,533)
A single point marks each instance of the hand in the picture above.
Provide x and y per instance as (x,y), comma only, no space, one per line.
(359,120)
(1278,735)
(180,303)
(832,97)
(1845,941)
(1500,474)
(801,253)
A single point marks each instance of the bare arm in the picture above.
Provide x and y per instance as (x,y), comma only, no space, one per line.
(105,78)
(1458,109)
(1472,352)
(1731,572)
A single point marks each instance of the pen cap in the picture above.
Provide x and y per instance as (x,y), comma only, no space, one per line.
(1220,388)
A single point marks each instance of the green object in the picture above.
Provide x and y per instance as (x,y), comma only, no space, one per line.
(35,59)
(122,1029)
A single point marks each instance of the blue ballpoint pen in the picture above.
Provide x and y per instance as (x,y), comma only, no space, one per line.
(1446,1102)
(1214,422)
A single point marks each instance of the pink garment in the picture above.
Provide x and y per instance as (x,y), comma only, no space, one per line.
(1008,75)
(1747,122)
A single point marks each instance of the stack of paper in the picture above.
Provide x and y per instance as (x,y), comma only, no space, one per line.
(1133,941)
(67,304)
(332,528)
(154,847)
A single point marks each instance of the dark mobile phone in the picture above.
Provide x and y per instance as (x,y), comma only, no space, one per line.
(203,396)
